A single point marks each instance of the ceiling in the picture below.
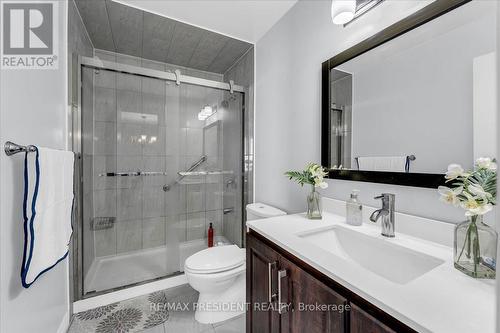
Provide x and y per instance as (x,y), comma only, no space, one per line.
(115,27)
(247,20)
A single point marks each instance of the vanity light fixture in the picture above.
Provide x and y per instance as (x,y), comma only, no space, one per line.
(346,11)
(343,11)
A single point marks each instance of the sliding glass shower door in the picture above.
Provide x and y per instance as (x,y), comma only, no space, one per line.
(160,162)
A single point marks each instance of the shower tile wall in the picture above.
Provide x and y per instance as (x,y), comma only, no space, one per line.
(168,138)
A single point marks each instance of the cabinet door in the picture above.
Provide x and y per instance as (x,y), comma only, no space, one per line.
(309,305)
(362,322)
(262,267)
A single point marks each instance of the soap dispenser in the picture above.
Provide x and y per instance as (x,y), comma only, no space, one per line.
(354,210)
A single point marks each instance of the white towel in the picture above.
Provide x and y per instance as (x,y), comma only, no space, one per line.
(48,204)
(383,163)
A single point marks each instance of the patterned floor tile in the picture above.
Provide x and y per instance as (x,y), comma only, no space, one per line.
(145,314)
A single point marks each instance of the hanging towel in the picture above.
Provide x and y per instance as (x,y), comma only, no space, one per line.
(47,208)
(383,163)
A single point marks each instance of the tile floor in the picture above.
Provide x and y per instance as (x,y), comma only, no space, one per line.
(181,321)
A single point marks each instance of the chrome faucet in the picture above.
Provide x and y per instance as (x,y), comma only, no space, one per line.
(387,213)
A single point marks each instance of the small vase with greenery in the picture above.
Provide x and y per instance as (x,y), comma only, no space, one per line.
(313,175)
(475,243)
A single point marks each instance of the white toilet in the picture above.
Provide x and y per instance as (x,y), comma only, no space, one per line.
(218,274)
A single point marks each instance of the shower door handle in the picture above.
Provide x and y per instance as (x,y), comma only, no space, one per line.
(270,267)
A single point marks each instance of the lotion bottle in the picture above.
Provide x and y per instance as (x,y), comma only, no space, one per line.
(210,236)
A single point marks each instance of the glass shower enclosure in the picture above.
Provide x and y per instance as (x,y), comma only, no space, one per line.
(161,158)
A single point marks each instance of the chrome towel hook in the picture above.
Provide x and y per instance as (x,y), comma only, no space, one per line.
(12,148)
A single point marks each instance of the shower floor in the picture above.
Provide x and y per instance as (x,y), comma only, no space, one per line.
(125,269)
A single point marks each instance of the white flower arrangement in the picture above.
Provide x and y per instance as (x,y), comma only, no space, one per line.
(475,191)
(314,174)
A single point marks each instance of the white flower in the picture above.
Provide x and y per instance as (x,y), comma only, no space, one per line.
(317,171)
(478,209)
(449,195)
(486,163)
(313,169)
(478,191)
(321,184)
(454,171)
(473,207)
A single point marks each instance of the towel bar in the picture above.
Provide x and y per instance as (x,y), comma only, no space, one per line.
(12,148)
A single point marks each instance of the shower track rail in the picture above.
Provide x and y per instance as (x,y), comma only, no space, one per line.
(176,77)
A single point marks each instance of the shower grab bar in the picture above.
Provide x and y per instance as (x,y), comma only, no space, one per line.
(132,174)
(12,148)
(195,165)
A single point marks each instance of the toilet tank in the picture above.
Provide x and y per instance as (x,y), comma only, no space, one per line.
(259,210)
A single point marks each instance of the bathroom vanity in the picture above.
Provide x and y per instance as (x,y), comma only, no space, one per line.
(327,276)
(304,285)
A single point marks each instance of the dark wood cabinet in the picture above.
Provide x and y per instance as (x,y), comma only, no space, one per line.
(311,306)
(362,322)
(287,295)
(262,265)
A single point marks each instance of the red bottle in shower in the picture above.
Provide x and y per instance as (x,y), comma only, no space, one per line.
(210,236)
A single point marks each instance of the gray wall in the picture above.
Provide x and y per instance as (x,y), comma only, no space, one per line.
(40,119)
(288,81)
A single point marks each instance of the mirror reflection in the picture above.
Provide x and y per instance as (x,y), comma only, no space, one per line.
(416,103)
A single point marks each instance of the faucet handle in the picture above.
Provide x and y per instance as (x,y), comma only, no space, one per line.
(385,196)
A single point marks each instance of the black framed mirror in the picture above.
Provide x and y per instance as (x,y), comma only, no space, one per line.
(399,107)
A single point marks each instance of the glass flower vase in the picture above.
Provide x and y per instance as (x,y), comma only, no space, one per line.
(314,205)
(475,248)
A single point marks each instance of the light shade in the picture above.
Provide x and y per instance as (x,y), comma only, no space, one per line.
(343,11)
(206,112)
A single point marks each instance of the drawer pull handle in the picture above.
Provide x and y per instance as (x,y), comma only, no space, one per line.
(282,308)
(270,267)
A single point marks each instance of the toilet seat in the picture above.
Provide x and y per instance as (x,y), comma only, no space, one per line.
(215,260)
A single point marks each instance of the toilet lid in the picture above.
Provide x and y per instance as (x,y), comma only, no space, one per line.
(216,259)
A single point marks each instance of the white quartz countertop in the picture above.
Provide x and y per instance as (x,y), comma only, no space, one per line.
(442,300)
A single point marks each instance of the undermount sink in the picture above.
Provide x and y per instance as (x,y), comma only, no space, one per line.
(380,256)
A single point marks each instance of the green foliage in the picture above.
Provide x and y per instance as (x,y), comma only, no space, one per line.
(312,175)
(304,177)
(481,177)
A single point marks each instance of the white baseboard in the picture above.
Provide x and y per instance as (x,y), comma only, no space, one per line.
(121,295)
